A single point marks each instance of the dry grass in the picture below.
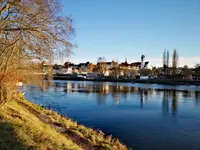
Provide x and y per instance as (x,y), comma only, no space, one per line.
(30,126)
(31,131)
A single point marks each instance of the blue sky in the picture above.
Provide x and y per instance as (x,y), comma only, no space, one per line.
(117,29)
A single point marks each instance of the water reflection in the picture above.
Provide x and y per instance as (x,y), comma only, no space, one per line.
(101,98)
(197,98)
(143,96)
(174,102)
(165,103)
(147,116)
(170,96)
(119,92)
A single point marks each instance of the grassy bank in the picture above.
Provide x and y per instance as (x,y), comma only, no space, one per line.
(26,126)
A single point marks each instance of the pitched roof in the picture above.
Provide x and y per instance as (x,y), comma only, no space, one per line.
(125,64)
(83,64)
(136,64)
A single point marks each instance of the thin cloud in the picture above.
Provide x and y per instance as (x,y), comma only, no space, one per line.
(189,61)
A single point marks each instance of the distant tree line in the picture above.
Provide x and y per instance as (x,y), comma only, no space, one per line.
(172,71)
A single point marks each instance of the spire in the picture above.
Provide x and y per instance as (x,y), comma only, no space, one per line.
(142,61)
(126,60)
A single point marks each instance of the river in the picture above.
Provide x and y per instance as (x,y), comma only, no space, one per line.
(142,116)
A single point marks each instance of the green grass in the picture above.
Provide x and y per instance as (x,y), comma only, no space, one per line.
(24,126)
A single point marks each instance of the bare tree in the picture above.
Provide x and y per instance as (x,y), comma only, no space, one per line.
(116,70)
(167,62)
(164,58)
(174,62)
(156,71)
(101,65)
(186,72)
(90,67)
(30,30)
(197,70)
(101,59)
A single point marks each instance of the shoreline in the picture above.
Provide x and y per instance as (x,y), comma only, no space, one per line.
(25,125)
(149,81)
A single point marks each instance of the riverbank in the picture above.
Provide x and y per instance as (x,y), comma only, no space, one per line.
(26,126)
(149,81)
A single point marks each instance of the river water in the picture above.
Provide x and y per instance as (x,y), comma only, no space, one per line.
(143,116)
